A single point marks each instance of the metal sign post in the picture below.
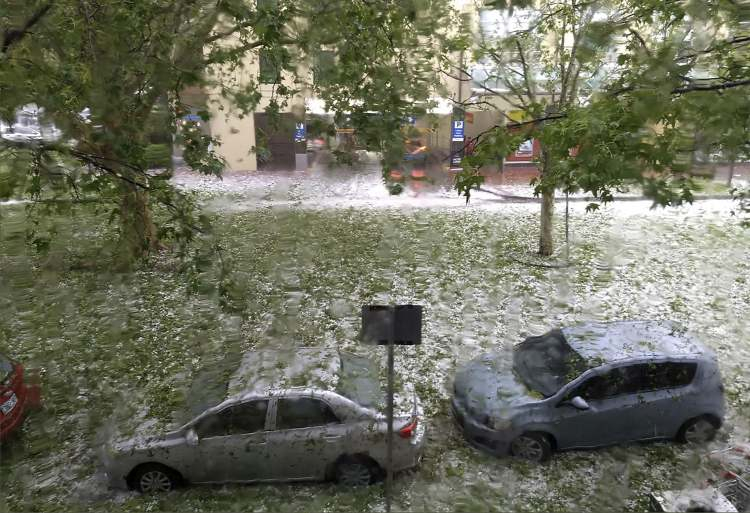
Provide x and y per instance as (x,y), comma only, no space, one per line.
(391,325)
(457,137)
(300,147)
(389,459)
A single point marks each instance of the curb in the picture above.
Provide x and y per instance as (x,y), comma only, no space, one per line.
(559,199)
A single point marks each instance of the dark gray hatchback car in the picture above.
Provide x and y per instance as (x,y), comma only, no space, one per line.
(591,385)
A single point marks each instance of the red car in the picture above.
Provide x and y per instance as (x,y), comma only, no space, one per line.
(16,396)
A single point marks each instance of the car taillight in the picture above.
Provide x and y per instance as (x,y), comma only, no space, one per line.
(408,430)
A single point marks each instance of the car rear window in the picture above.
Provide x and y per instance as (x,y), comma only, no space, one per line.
(360,382)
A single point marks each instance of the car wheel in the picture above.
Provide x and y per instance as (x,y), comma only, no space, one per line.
(697,431)
(155,479)
(354,473)
(532,446)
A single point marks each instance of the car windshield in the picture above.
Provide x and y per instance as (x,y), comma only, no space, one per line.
(546,363)
(6,368)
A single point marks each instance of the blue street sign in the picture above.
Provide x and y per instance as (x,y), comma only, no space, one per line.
(457,134)
(299,132)
(412,120)
(191,117)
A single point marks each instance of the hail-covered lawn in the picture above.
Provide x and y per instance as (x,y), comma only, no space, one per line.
(118,348)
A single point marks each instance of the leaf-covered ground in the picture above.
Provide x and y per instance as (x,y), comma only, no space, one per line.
(113,346)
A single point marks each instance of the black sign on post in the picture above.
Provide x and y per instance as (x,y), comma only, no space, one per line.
(391,325)
(399,324)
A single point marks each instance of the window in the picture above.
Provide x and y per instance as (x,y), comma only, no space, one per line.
(303,412)
(636,379)
(244,418)
(609,384)
(269,69)
(658,376)
(495,24)
(214,425)
(6,368)
(248,417)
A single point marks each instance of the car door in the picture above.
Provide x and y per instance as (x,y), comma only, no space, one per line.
(231,444)
(610,418)
(211,455)
(249,459)
(306,437)
(664,395)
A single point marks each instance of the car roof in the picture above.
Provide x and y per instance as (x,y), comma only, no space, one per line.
(265,370)
(300,369)
(601,342)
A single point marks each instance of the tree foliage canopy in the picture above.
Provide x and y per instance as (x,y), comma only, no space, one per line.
(621,92)
(121,60)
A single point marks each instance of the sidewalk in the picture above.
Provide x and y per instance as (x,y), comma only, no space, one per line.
(512,184)
(527,195)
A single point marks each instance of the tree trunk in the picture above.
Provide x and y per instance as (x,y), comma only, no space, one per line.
(138,235)
(731,171)
(546,243)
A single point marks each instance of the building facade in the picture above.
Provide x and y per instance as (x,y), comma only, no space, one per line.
(249,143)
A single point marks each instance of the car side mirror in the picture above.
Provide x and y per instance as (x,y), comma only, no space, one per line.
(191,437)
(579,403)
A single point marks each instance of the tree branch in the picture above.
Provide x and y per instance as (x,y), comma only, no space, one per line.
(730,42)
(635,34)
(489,90)
(13,36)
(526,72)
(711,87)
(536,121)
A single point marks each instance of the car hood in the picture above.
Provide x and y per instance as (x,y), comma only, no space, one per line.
(122,449)
(148,435)
(488,387)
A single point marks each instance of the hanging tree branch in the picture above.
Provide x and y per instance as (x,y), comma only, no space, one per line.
(13,36)
(711,87)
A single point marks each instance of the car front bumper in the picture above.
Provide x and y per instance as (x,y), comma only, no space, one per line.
(479,435)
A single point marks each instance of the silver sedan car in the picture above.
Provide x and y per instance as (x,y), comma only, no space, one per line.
(286,434)
(588,386)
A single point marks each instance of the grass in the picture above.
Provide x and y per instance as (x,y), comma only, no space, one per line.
(137,345)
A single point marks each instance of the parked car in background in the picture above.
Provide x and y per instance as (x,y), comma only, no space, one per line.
(331,428)
(591,385)
(16,396)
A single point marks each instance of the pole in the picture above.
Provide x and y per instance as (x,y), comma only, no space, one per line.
(389,470)
(567,248)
